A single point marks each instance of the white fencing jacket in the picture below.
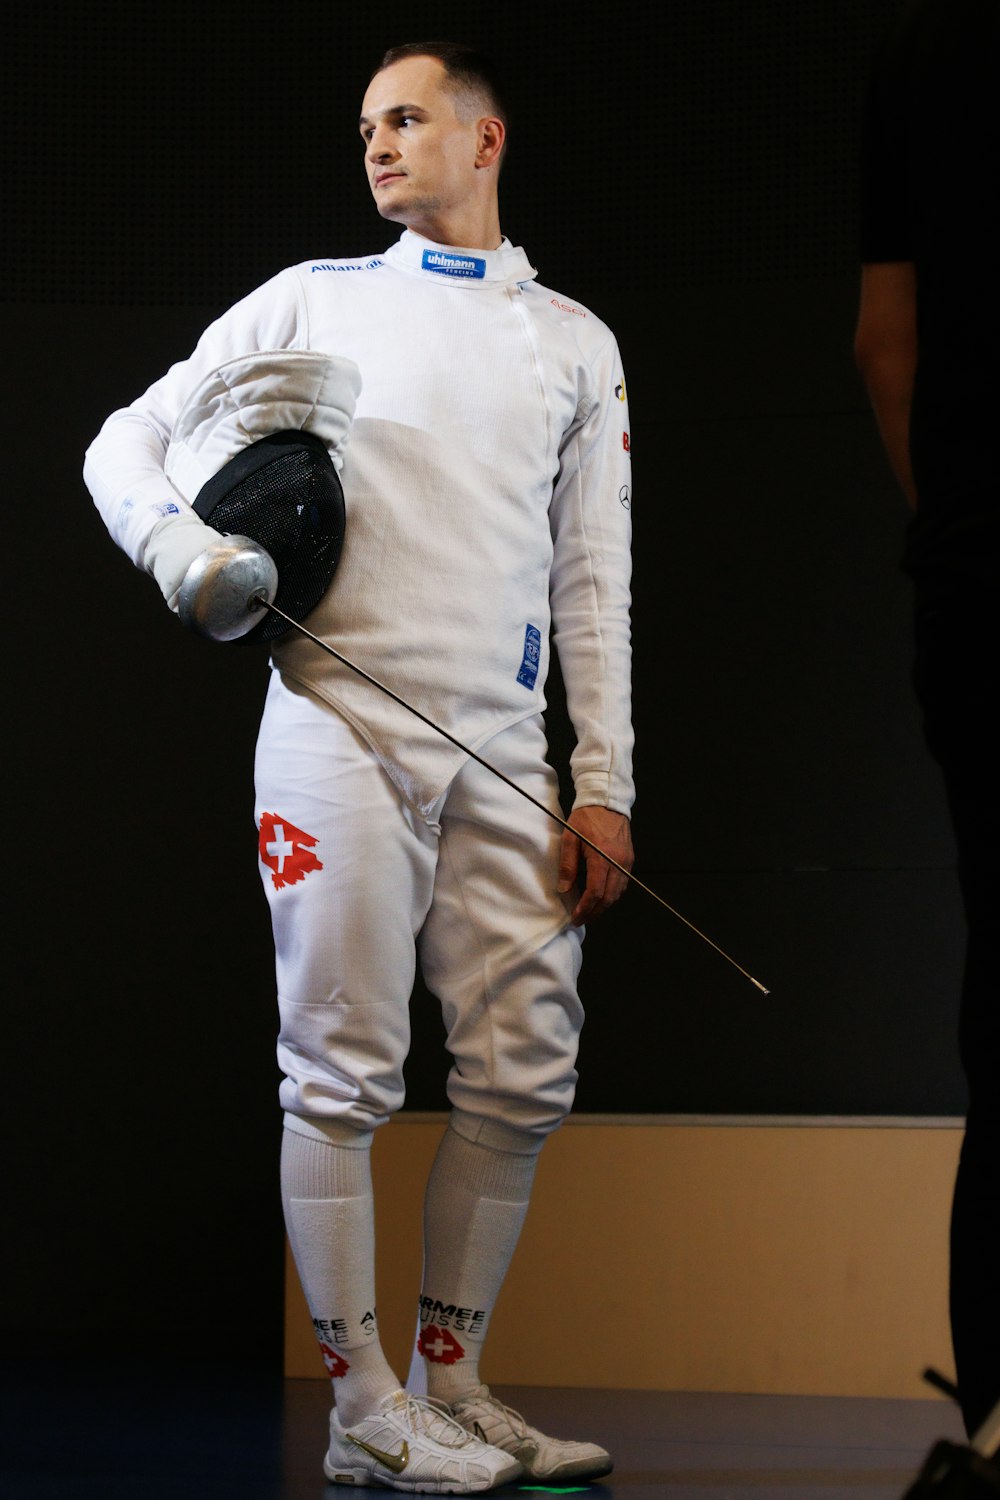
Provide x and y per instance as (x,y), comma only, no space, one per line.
(487,479)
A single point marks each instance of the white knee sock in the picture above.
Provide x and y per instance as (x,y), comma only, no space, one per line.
(475,1204)
(326,1191)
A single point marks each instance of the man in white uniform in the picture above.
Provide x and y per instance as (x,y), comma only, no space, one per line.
(487,480)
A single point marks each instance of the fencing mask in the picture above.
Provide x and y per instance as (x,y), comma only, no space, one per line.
(251,452)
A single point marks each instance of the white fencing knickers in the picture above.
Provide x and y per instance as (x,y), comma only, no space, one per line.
(357,880)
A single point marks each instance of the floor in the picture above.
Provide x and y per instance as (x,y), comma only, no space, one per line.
(81,1433)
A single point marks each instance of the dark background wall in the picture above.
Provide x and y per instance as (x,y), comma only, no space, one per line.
(687,171)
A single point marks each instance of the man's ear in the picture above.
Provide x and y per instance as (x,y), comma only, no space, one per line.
(491,138)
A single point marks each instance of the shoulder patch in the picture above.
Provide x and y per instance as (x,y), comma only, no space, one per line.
(568,307)
(346,265)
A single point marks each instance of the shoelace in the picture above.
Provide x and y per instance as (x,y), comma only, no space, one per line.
(423,1413)
(517,1422)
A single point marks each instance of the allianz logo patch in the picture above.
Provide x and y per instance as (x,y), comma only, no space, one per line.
(369,265)
(453,265)
(528,675)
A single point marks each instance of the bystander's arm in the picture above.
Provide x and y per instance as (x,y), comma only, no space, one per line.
(885,349)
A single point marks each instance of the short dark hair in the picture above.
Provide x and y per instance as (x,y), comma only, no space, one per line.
(472,74)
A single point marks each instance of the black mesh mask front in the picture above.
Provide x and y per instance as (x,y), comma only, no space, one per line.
(283,492)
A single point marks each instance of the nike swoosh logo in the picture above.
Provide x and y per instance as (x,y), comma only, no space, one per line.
(394,1462)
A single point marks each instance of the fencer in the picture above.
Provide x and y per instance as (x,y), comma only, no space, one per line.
(479,423)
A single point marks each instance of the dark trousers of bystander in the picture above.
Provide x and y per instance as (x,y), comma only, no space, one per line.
(956,680)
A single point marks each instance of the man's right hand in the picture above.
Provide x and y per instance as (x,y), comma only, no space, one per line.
(173,545)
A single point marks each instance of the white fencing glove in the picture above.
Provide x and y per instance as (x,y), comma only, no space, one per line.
(173,545)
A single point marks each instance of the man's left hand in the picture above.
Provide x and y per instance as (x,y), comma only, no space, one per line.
(601,883)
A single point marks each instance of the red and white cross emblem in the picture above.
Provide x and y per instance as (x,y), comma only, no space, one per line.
(440,1345)
(335,1363)
(286,850)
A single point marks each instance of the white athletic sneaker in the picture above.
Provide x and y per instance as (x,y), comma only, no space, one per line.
(413,1444)
(541,1457)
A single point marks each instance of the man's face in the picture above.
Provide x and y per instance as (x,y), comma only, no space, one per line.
(419,156)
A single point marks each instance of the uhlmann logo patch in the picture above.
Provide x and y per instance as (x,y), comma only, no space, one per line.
(454,265)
